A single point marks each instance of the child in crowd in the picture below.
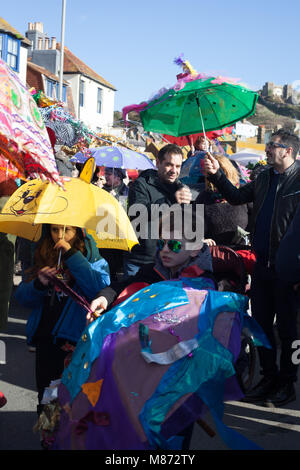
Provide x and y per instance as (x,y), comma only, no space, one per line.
(176,257)
(57,321)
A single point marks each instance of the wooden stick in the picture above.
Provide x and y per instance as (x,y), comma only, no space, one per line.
(206,427)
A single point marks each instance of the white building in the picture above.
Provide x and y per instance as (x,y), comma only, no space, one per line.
(92,95)
(245,130)
(14,49)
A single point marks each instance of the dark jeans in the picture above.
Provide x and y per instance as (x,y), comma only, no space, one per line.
(269,297)
(49,364)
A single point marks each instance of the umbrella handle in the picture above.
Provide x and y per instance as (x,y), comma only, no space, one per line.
(60,252)
(59,259)
(202,122)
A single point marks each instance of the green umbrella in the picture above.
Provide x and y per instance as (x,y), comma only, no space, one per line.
(201,105)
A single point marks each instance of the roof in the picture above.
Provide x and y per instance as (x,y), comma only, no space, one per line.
(74,65)
(7,28)
(42,70)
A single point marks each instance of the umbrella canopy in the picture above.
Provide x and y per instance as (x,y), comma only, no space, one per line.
(200,105)
(79,204)
(64,132)
(23,136)
(116,157)
(191,169)
(247,156)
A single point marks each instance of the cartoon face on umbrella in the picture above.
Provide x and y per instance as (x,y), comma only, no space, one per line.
(80,204)
(27,201)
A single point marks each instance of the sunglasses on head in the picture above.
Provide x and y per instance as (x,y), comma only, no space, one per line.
(276,145)
(173,245)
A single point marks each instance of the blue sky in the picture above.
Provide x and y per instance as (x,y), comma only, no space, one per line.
(133,44)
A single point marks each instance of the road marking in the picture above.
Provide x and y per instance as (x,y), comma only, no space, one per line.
(280,411)
(290,427)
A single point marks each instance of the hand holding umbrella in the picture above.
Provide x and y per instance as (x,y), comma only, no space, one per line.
(98,306)
(50,275)
(45,274)
(62,245)
(210,164)
(183,195)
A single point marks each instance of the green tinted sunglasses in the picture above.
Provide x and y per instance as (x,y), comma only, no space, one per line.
(173,245)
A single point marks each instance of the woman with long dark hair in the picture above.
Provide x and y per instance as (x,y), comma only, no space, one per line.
(57,321)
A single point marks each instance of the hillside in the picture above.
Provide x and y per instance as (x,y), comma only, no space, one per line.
(271,113)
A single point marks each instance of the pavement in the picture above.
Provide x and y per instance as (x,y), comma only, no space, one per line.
(269,428)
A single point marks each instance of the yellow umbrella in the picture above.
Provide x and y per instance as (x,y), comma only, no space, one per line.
(79,204)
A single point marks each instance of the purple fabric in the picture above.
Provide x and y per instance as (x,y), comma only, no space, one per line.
(125,372)
(99,437)
(194,408)
(111,437)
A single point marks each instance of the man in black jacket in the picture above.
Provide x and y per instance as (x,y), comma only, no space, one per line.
(151,190)
(275,194)
(288,257)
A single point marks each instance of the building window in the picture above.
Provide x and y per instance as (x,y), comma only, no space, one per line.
(10,51)
(99,100)
(64,93)
(49,88)
(81,93)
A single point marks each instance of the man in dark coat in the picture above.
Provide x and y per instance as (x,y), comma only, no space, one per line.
(288,255)
(275,194)
(151,190)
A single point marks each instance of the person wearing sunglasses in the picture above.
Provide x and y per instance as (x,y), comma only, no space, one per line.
(154,188)
(275,194)
(175,258)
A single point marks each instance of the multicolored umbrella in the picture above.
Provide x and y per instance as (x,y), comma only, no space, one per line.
(8,170)
(151,366)
(116,157)
(64,132)
(23,136)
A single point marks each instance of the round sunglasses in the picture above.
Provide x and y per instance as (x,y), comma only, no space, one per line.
(173,245)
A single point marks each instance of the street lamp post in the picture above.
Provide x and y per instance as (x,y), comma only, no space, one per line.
(62,48)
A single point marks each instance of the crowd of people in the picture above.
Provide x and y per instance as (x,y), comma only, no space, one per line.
(263,215)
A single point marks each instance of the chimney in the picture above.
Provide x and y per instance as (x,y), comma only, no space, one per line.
(30,26)
(40,43)
(38,26)
(46,43)
(53,43)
